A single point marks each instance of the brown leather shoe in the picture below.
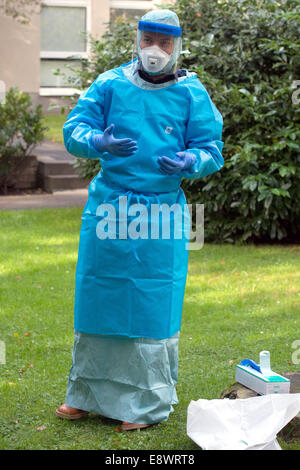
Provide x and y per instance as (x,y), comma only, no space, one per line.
(131,426)
(67,412)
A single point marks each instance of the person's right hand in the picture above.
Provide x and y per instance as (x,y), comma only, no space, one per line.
(107,143)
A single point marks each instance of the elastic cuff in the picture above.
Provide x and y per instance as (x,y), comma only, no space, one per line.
(94,152)
(189,171)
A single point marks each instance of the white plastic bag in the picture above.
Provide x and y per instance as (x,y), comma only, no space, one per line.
(250,423)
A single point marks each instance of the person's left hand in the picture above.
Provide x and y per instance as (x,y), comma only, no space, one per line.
(182,161)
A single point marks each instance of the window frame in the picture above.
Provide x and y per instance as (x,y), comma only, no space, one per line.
(58,91)
(71,55)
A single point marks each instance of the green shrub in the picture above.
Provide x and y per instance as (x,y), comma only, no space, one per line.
(21,129)
(246,53)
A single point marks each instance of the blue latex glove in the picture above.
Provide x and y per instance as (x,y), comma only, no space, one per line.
(106,142)
(182,161)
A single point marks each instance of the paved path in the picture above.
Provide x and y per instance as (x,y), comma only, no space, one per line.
(47,151)
(68,198)
(56,152)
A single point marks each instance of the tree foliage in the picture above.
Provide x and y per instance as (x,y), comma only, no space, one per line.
(246,52)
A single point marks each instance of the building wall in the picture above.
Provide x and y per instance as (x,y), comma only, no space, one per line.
(20,53)
(100,16)
(20,46)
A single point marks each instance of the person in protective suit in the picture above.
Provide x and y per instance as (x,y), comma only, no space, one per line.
(150,125)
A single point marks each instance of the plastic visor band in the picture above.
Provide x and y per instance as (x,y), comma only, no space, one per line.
(159,28)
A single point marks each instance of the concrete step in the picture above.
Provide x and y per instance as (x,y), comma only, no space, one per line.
(53,151)
(60,182)
(48,166)
(55,169)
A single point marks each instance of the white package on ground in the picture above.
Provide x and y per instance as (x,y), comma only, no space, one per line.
(242,424)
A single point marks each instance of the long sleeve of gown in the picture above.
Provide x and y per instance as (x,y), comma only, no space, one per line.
(86,120)
(203,134)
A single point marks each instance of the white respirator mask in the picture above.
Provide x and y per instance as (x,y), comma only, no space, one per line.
(154,59)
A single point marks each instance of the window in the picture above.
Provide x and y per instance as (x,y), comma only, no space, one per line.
(128,15)
(64,28)
(49,76)
(130,10)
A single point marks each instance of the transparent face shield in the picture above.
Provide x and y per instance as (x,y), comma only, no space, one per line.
(158,47)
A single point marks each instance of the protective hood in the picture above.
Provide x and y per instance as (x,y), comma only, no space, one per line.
(155,61)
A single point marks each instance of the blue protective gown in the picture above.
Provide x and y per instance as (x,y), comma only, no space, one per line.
(135,287)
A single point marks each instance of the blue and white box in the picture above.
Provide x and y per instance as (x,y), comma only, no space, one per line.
(260,383)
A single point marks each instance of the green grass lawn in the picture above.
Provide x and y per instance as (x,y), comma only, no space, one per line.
(239,300)
(55,123)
